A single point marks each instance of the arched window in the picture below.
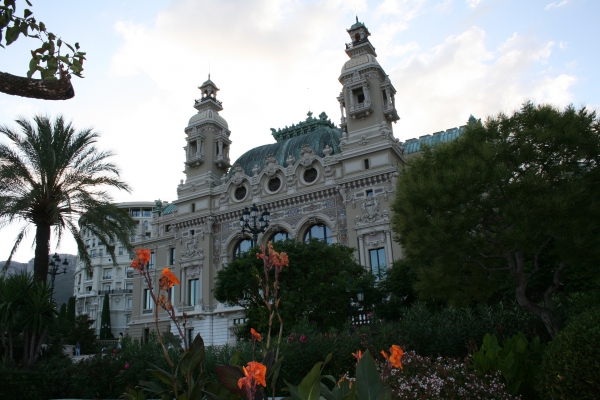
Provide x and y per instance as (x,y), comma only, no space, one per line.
(280,236)
(318,231)
(242,247)
(145,226)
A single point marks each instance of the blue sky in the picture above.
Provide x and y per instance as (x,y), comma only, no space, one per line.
(273,60)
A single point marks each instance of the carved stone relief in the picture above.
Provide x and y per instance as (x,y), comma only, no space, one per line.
(192,250)
(270,166)
(371,212)
(307,155)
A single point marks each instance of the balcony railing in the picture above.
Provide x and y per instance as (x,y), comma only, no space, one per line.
(356,43)
(115,291)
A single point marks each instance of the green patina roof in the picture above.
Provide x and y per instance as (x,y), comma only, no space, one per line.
(415,145)
(169,209)
(356,25)
(317,133)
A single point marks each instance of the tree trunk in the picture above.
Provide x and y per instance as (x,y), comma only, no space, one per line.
(42,252)
(61,89)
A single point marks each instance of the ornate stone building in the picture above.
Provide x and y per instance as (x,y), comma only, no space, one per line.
(317,180)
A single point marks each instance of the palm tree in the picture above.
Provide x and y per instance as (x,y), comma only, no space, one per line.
(54,178)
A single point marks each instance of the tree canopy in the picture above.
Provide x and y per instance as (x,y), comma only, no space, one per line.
(54,177)
(320,285)
(515,198)
(55,68)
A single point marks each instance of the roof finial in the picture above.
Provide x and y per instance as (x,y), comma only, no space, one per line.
(357,19)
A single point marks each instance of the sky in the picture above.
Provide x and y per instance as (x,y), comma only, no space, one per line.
(274,60)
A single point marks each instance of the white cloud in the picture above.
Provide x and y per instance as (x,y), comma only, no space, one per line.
(563,45)
(440,88)
(473,3)
(555,4)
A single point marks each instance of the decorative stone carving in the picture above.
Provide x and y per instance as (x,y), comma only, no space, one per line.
(224,198)
(307,155)
(238,175)
(290,161)
(194,272)
(194,187)
(291,181)
(192,250)
(371,212)
(363,140)
(328,171)
(327,151)
(386,133)
(255,170)
(224,178)
(270,165)
(210,221)
(210,182)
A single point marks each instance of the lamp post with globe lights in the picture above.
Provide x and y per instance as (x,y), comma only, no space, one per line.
(251,222)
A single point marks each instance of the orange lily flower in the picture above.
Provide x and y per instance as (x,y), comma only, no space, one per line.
(255,335)
(143,255)
(135,264)
(396,354)
(254,374)
(168,279)
(358,355)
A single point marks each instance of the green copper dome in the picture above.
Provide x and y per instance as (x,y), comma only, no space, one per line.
(315,132)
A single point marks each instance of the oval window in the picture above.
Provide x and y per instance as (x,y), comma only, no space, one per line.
(310,175)
(274,184)
(240,193)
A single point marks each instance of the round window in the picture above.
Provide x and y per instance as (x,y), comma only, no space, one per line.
(310,175)
(240,193)
(274,184)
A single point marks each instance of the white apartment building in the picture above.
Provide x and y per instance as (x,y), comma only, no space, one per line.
(90,287)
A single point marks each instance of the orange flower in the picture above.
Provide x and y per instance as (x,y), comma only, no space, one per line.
(254,374)
(168,279)
(143,255)
(396,354)
(255,335)
(135,264)
(358,355)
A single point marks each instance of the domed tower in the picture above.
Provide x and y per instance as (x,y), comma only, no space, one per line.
(207,148)
(367,98)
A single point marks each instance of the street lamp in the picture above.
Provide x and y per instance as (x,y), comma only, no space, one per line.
(54,270)
(252,223)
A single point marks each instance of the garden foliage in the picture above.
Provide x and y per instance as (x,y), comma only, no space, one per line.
(571,363)
(517,361)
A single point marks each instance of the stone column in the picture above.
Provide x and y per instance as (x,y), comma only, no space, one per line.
(388,248)
(361,249)
(183,286)
(387,96)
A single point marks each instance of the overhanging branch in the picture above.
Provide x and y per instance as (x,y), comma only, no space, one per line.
(61,89)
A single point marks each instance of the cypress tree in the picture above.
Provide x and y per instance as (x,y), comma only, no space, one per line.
(105,332)
(62,314)
(71,309)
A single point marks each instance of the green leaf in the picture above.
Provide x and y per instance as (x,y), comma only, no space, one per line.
(168,337)
(26,13)
(42,27)
(235,359)
(343,390)
(275,369)
(293,391)
(161,374)
(193,357)
(268,361)
(229,376)
(153,387)
(368,382)
(12,33)
(386,393)
(77,45)
(310,387)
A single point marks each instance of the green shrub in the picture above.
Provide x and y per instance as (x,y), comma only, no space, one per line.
(27,385)
(571,363)
(517,361)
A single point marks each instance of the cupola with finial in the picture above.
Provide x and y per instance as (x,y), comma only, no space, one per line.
(359,36)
